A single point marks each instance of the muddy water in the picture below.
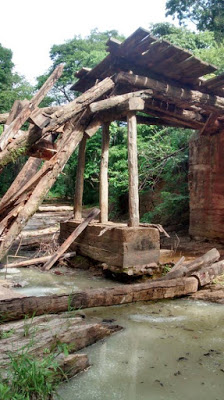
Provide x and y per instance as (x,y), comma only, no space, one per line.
(169,350)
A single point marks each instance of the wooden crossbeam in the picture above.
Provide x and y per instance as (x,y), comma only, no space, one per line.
(182,97)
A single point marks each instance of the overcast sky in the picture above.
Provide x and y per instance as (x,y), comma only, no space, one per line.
(30,28)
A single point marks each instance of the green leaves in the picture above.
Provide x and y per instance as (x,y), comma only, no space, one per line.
(206,14)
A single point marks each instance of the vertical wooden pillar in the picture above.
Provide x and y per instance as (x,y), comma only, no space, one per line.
(79,184)
(104,174)
(133,170)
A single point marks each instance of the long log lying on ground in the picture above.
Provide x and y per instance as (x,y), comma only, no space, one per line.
(27,109)
(180,96)
(187,269)
(153,290)
(37,261)
(70,239)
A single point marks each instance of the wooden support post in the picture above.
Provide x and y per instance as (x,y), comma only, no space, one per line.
(79,184)
(133,170)
(104,174)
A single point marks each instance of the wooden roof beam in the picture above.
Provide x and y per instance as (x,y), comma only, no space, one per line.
(182,97)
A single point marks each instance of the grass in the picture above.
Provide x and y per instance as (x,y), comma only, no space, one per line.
(31,378)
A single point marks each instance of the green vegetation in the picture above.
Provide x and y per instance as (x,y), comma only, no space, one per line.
(29,378)
(205,14)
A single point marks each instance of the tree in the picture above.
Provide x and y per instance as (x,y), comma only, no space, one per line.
(12,85)
(74,54)
(205,14)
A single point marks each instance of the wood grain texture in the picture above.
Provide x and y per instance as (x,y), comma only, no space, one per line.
(104,174)
(123,294)
(133,170)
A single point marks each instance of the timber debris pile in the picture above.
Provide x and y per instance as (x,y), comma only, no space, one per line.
(142,80)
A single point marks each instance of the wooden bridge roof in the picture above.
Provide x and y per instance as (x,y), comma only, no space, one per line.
(181,95)
(146,55)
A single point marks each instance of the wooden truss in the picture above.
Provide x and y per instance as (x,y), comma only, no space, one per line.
(142,81)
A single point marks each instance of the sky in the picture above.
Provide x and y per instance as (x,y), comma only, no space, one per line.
(31,28)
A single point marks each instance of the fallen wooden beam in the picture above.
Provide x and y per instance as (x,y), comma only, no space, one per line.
(122,294)
(41,182)
(70,239)
(207,274)
(187,269)
(29,107)
(37,261)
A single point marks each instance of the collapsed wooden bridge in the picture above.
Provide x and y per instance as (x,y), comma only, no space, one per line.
(143,80)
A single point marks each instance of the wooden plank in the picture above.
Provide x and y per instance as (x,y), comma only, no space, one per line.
(191,68)
(28,108)
(104,173)
(36,261)
(122,294)
(70,239)
(79,182)
(133,170)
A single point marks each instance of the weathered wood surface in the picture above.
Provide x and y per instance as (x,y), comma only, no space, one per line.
(46,176)
(186,270)
(153,290)
(71,111)
(104,187)
(207,274)
(67,243)
(119,245)
(3,118)
(114,101)
(79,182)
(50,332)
(133,170)
(178,95)
(37,261)
(29,107)
(26,173)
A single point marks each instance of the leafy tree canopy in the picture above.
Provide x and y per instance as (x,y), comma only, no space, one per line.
(205,14)
(75,54)
(12,85)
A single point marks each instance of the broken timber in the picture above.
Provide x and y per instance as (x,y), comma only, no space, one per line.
(71,239)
